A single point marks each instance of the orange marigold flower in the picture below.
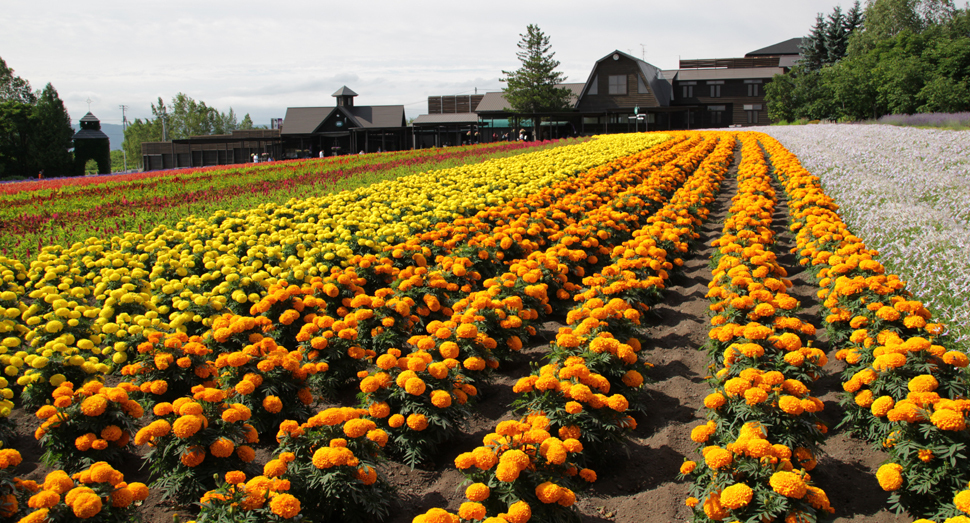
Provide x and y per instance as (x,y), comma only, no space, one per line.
(471,510)
(881,406)
(272,404)
(946,419)
(285,505)
(222,448)
(417,422)
(890,476)
(788,484)
(718,458)
(687,467)
(477,492)
(923,383)
(519,512)
(415,386)
(736,496)
(186,426)
(94,406)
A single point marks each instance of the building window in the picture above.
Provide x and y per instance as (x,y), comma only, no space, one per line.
(753,87)
(617,84)
(641,85)
(594,87)
(716,113)
(715,88)
(752,117)
(688,91)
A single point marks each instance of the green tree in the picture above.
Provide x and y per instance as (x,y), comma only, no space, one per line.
(139,131)
(814,52)
(246,123)
(52,137)
(117,161)
(16,121)
(836,36)
(532,88)
(14,88)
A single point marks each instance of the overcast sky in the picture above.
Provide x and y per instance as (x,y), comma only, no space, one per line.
(260,57)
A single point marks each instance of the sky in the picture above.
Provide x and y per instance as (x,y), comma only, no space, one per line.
(262,57)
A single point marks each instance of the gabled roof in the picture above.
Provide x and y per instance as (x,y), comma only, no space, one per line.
(376,116)
(496,102)
(304,120)
(790,46)
(655,78)
(344,91)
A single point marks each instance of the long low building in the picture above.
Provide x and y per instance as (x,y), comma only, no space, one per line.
(624,94)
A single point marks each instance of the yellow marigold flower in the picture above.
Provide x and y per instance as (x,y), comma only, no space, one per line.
(890,476)
(962,501)
(736,496)
(788,484)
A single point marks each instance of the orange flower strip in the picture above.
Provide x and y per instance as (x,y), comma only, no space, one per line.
(763,364)
(903,387)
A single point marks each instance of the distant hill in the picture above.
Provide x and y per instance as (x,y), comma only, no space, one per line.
(115,132)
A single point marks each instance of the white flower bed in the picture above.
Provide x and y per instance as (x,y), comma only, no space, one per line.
(905,192)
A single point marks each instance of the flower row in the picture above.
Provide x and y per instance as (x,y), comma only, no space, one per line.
(758,443)
(903,388)
(535,473)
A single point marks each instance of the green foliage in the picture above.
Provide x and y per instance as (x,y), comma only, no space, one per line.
(911,56)
(532,87)
(35,129)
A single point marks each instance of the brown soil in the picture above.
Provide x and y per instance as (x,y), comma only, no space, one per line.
(636,482)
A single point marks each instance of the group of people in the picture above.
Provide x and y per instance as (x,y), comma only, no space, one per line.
(260,158)
(524,136)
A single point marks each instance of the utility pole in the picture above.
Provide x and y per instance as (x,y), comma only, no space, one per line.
(124,128)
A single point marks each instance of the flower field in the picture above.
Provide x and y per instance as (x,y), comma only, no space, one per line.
(643,327)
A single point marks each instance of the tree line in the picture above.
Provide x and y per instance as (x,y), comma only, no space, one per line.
(182,118)
(893,57)
(35,129)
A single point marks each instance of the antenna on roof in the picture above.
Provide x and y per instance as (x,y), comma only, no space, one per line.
(643,52)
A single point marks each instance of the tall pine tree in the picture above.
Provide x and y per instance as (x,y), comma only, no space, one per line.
(53,135)
(814,50)
(531,89)
(836,36)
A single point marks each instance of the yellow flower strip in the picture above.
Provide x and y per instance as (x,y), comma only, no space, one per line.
(748,287)
(571,379)
(171,279)
(903,388)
